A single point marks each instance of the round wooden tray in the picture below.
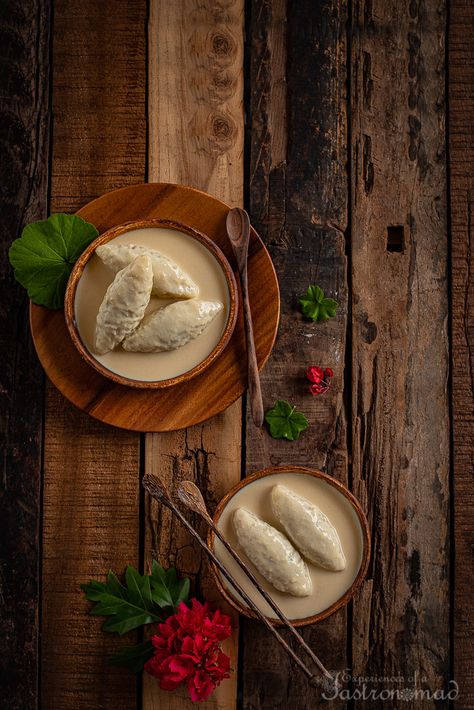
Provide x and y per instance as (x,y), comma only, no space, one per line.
(207,394)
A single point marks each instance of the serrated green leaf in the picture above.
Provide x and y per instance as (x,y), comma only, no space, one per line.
(167,589)
(161,594)
(133,657)
(316,306)
(182,591)
(43,257)
(115,586)
(126,619)
(284,421)
(128,607)
(139,588)
(144,599)
(157,571)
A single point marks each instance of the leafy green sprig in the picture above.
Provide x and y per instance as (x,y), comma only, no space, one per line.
(142,600)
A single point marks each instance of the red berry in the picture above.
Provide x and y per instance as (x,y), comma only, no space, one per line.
(328,372)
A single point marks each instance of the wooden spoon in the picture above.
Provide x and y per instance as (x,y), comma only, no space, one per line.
(192,498)
(238,230)
(157,488)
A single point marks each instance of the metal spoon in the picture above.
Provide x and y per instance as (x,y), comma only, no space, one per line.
(238,230)
(192,498)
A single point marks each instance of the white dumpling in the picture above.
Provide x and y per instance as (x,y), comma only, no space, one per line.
(169,279)
(308,528)
(124,304)
(173,326)
(272,554)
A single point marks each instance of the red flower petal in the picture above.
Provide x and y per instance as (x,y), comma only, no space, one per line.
(179,667)
(200,686)
(314,373)
(187,650)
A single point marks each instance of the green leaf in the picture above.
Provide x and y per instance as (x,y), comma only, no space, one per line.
(285,422)
(144,599)
(128,607)
(316,306)
(167,589)
(43,257)
(133,657)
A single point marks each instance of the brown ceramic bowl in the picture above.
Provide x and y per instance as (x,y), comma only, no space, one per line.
(365,538)
(107,237)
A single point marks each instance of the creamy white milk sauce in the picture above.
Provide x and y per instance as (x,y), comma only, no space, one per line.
(203,268)
(328,586)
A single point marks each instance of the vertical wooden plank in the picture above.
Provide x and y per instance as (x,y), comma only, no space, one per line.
(461,165)
(399,337)
(91,472)
(196,138)
(298,203)
(24,120)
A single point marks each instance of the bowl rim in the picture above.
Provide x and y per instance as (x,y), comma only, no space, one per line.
(109,235)
(366,544)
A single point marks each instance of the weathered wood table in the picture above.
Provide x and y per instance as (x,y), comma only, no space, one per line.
(330,122)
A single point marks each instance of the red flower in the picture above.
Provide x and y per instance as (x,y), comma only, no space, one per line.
(187,650)
(315,374)
(320,379)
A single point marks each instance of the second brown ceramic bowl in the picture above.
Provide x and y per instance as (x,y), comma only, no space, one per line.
(107,236)
(338,488)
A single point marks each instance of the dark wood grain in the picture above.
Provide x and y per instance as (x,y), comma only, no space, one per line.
(24,141)
(298,202)
(91,507)
(461,165)
(400,297)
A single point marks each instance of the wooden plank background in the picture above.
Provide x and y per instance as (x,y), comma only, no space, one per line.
(24,146)
(344,173)
(91,472)
(461,169)
(195,108)
(298,203)
(400,416)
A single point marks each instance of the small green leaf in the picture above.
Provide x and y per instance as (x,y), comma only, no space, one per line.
(43,257)
(316,306)
(133,657)
(285,422)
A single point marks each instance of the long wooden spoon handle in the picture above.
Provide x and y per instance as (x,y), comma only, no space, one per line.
(149,484)
(269,599)
(255,390)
